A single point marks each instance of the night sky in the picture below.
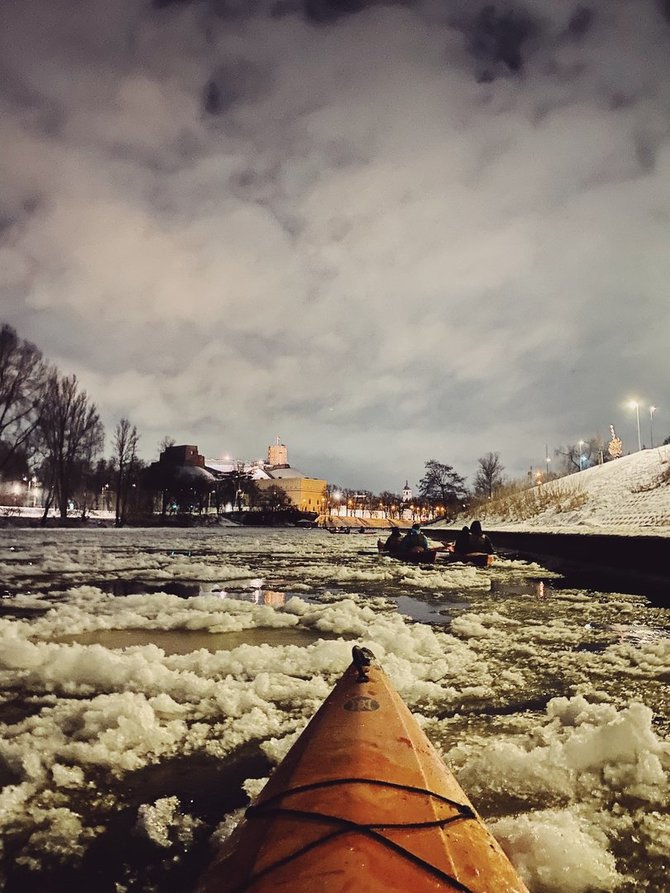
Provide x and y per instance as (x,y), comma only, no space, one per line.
(387,232)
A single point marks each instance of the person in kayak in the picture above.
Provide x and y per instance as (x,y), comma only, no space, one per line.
(479,541)
(393,541)
(414,542)
(462,541)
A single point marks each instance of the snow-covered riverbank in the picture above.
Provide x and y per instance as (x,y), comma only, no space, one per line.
(551,705)
(629,496)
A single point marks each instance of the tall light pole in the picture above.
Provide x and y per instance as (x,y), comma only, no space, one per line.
(581,457)
(652,410)
(547,460)
(636,406)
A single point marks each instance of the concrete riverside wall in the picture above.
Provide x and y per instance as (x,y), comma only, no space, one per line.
(631,563)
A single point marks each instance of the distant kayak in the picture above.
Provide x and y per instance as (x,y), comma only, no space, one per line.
(362,803)
(425,556)
(431,556)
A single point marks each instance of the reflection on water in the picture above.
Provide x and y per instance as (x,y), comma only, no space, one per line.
(540,589)
(637,633)
(245,590)
(185,641)
(273,598)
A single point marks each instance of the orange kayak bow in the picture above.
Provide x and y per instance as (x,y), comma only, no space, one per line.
(362,802)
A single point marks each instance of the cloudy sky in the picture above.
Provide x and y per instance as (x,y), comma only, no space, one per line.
(385,231)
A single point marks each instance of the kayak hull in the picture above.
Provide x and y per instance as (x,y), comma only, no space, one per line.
(362,802)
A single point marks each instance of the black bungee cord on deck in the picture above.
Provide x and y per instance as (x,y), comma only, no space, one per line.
(272,807)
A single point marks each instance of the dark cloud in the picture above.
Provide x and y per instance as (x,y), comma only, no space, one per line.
(499,37)
(323,11)
(580,21)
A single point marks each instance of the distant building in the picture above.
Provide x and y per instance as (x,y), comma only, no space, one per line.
(184,466)
(305,493)
(407,492)
(182,479)
(182,455)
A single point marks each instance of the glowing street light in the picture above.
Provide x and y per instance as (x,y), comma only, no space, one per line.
(652,410)
(581,457)
(636,406)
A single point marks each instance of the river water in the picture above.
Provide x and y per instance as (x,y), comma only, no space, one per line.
(149,680)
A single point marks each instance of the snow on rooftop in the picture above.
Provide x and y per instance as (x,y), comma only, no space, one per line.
(281,472)
(254,469)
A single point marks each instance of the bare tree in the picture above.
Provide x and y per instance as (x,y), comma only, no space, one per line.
(166,443)
(126,439)
(72,436)
(22,379)
(580,455)
(489,477)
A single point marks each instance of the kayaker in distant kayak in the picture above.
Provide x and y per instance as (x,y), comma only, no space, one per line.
(393,541)
(462,542)
(479,541)
(414,542)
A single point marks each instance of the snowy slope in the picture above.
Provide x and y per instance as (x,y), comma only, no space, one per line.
(630,495)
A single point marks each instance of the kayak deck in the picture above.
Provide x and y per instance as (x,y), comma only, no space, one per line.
(362,802)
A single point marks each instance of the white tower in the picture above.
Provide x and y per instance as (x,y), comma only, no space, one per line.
(407,492)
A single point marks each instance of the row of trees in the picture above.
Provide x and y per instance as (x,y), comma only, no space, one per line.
(49,428)
(445,488)
(441,491)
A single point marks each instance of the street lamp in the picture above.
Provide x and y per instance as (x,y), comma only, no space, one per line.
(652,410)
(636,406)
(581,457)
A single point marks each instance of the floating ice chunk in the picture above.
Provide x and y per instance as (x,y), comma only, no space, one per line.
(59,832)
(655,826)
(621,744)
(598,747)
(469,627)
(253,786)
(226,827)
(559,851)
(13,798)
(164,824)
(67,776)
(275,749)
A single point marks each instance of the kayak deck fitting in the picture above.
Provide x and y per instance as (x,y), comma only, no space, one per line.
(362,802)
